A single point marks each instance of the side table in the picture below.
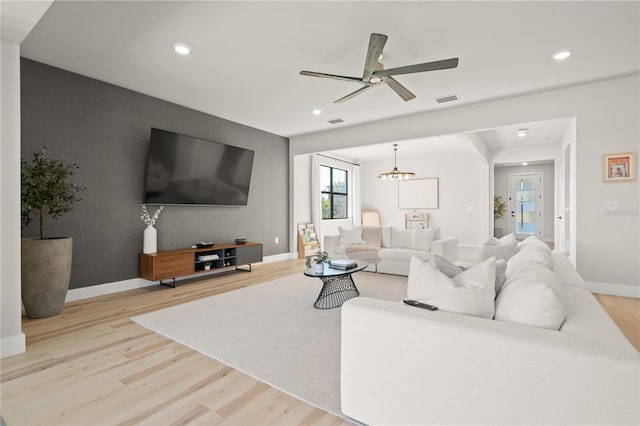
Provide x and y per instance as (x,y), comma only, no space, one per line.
(337,286)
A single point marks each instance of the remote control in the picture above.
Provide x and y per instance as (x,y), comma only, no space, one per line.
(420,305)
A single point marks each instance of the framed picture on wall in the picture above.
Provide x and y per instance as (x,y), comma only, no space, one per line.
(418,193)
(619,167)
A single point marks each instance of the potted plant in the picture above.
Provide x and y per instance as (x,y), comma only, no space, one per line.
(499,208)
(207,265)
(319,260)
(46,261)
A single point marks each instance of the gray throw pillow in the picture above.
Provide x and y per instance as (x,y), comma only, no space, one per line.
(451,269)
(501,273)
(446,267)
(502,251)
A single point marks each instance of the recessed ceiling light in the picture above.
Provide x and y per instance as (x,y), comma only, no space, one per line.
(522,133)
(317,111)
(562,55)
(525,164)
(181,49)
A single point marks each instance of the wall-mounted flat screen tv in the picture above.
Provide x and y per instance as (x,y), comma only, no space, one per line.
(186,170)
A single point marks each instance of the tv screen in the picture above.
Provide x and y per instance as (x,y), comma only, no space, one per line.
(186,170)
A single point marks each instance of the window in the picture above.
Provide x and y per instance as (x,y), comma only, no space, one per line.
(334,186)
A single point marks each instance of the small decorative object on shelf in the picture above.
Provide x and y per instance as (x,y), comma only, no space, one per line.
(240,240)
(203,244)
(207,266)
(319,260)
(150,241)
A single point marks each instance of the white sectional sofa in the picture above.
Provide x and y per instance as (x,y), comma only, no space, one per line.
(394,246)
(410,366)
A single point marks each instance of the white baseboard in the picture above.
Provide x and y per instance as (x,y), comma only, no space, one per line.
(135,283)
(279,257)
(614,289)
(13,345)
(107,288)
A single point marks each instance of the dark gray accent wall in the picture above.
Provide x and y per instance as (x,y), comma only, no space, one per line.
(105,130)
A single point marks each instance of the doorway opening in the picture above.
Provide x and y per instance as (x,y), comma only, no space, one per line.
(526,205)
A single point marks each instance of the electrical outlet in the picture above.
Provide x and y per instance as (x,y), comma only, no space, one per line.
(276,240)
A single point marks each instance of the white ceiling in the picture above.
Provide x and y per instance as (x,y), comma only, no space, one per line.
(247,55)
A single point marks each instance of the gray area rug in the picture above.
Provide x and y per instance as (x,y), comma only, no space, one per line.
(272,332)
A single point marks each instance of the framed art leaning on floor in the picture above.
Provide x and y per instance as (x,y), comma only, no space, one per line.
(619,167)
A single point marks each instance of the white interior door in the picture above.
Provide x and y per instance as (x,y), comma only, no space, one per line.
(525,205)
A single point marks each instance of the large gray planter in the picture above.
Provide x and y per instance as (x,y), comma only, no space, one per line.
(46,271)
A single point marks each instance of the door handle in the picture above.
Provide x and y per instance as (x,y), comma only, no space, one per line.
(559,217)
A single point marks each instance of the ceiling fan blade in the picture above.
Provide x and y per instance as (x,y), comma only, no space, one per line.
(332,76)
(356,93)
(427,66)
(402,91)
(376,44)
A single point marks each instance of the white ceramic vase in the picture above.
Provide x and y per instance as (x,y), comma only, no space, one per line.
(318,268)
(150,242)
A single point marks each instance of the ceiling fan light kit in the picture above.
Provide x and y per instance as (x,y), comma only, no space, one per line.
(396,174)
(374,73)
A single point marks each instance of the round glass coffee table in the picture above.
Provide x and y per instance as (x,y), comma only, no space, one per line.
(337,286)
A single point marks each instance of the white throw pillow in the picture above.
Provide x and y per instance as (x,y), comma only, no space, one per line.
(471,292)
(499,251)
(527,255)
(507,239)
(349,236)
(422,239)
(402,238)
(532,296)
(533,241)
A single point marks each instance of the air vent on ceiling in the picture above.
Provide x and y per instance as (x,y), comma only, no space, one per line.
(449,98)
(336,121)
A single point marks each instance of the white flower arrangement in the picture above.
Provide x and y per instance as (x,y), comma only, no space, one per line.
(150,220)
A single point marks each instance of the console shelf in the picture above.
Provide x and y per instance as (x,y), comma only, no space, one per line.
(172,264)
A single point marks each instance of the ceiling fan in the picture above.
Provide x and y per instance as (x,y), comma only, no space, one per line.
(375,74)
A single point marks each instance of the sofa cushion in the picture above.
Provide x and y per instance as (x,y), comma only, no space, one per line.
(532,296)
(527,255)
(350,236)
(403,254)
(422,239)
(499,251)
(587,320)
(402,238)
(470,292)
(451,269)
(565,271)
(386,237)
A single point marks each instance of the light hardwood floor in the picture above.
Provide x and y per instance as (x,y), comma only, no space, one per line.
(92,365)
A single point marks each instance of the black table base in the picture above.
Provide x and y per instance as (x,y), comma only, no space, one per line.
(335,291)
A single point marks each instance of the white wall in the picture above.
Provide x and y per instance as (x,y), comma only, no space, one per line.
(502,188)
(13,340)
(607,246)
(301,203)
(18,18)
(462,193)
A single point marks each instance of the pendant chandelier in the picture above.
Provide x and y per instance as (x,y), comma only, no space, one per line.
(395,174)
